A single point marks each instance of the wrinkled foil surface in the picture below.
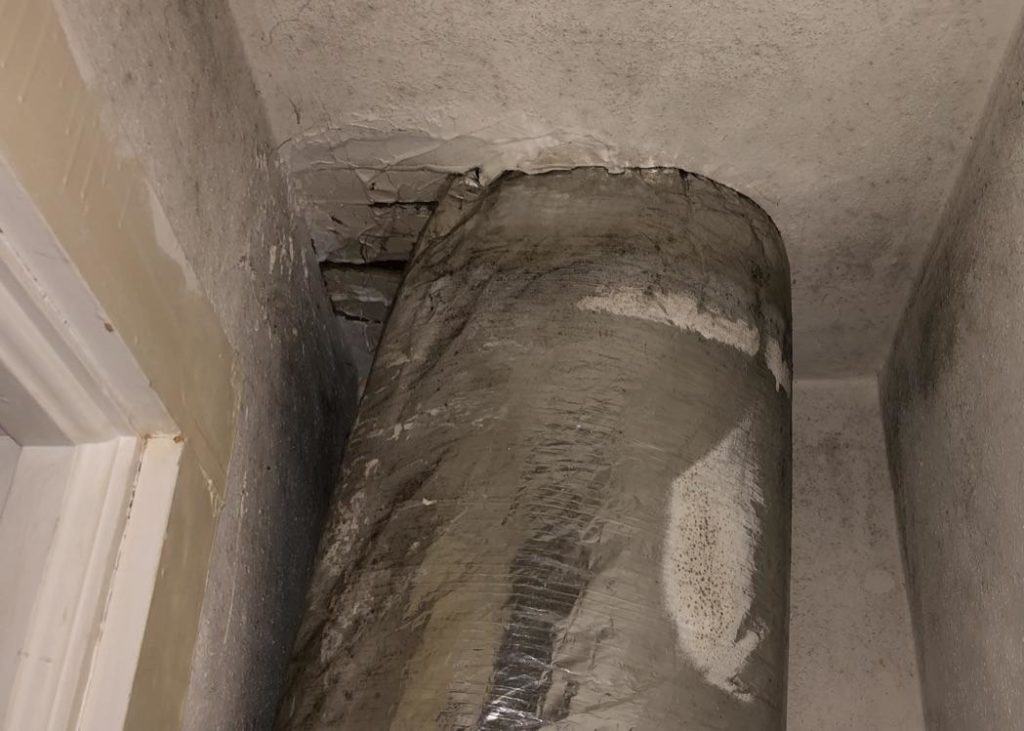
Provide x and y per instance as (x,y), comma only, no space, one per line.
(565,502)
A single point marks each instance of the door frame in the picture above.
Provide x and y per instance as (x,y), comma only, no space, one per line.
(69,381)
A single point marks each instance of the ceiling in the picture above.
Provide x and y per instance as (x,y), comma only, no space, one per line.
(847,121)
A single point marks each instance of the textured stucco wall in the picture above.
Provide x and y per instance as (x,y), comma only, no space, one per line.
(176,96)
(954,413)
(851,650)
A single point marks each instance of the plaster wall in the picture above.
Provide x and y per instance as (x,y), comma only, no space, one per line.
(9,451)
(851,651)
(846,122)
(953,399)
(136,130)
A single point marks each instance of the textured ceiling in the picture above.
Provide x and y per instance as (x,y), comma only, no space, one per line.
(847,121)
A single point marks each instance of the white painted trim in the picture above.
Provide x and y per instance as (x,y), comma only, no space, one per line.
(105,703)
(57,339)
(71,597)
(48,398)
(67,378)
(28,525)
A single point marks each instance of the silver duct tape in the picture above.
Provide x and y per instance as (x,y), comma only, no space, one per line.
(565,502)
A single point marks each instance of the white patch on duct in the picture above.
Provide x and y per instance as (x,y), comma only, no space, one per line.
(682,311)
(774,358)
(777,365)
(708,560)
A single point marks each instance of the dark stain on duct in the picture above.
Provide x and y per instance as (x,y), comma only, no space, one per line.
(549,575)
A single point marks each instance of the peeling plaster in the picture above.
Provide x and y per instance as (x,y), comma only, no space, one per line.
(341,177)
(510,145)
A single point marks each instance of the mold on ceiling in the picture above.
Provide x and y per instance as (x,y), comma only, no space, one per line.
(847,122)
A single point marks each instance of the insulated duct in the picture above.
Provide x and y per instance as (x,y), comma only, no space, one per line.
(566,499)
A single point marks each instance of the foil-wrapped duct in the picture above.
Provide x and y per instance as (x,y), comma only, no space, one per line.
(566,499)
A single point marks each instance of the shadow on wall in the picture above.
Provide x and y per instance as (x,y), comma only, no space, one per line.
(954,416)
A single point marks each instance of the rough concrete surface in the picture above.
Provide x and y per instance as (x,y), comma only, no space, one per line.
(851,651)
(954,413)
(176,90)
(566,498)
(847,122)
